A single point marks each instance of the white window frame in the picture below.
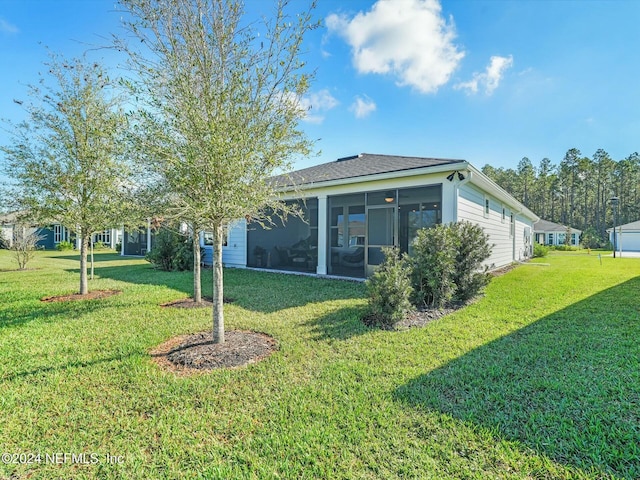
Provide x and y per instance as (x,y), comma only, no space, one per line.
(486,208)
(58,233)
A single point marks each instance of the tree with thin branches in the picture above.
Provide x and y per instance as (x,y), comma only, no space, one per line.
(222,110)
(66,161)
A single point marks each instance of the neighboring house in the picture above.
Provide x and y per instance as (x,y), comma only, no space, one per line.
(137,242)
(549,233)
(51,235)
(11,221)
(627,237)
(356,205)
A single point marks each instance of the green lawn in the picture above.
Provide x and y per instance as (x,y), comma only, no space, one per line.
(538,379)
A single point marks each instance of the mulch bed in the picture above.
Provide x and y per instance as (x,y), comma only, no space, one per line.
(420,318)
(189,303)
(93,295)
(196,353)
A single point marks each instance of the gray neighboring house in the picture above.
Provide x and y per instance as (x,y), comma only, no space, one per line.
(356,205)
(627,237)
(554,234)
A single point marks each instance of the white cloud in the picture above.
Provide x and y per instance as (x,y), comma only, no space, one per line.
(316,103)
(6,27)
(362,107)
(490,79)
(407,38)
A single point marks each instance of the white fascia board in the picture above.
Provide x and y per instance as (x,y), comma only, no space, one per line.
(414,172)
(485,183)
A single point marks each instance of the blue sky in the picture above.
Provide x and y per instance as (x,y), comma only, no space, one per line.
(486,81)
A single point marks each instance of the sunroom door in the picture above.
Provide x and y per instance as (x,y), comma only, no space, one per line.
(381,232)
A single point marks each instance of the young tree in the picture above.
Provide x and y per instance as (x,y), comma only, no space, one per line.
(223,109)
(24,244)
(66,160)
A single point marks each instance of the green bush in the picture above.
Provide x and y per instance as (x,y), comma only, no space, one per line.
(446,266)
(540,250)
(171,251)
(118,247)
(434,263)
(98,246)
(64,245)
(564,248)
(473,248)
(389,290)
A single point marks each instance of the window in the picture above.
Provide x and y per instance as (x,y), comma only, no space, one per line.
(486,207)
(103,237)
(58,233)
(208,238)
(512,229)
(573,239)
(562,238)
(550,239)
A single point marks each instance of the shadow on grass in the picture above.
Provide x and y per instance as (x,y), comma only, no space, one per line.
(101,256)
(70,365)
(264,292)
(14,314)
(341,324)
(567,386)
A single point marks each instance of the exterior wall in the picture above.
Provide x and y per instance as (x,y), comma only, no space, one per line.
(471,204)
(234,253)
(523,238)
(47,240)
(627,241)
(460,201)
(6,235)
(556,234)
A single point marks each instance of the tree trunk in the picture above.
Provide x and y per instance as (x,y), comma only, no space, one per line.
(91,259)
(197,289)
(84,245)
(218,306)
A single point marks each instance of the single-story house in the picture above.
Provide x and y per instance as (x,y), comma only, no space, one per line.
(550,233)
(356,205)
(627,237)
(51,235)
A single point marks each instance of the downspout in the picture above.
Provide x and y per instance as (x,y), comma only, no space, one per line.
(456,191)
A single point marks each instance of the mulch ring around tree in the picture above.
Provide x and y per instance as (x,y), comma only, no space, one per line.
(189,303)
(93,295)
(196,353)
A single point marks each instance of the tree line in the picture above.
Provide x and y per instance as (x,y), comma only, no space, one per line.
(578,191)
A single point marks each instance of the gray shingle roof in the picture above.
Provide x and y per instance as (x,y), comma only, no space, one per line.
(358,166)
(547,226)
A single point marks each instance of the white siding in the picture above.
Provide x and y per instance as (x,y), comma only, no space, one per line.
(471,203)
(523,238)
(235,253)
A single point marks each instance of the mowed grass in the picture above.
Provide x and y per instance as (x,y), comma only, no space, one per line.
(538,379)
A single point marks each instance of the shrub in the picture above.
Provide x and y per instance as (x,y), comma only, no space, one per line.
(118,247)
(564,248)
(171,251)
(540,250)
(98,246)
(434,262)
(473,248)
(64,245)
(389,290)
